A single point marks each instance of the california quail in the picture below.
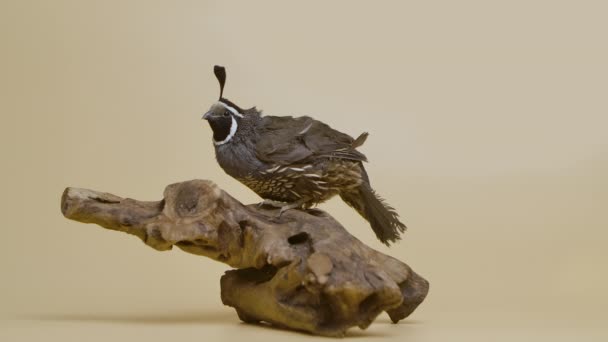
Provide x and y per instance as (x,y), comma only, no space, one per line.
(296,162)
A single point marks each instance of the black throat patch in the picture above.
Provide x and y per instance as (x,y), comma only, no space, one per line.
(221,127)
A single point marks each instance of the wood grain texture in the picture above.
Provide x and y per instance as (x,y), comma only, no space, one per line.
(301,271)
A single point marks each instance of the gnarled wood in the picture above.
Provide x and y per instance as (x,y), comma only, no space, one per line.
(301,271)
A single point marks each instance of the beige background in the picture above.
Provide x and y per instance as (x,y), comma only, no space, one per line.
(488,131)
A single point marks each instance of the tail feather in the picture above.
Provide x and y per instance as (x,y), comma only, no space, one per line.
(382,217)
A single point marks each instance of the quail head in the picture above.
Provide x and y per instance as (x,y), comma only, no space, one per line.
(296,162)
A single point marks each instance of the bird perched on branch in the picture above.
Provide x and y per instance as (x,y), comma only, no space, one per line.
(296,162)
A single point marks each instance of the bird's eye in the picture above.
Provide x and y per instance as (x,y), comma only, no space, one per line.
(226,114)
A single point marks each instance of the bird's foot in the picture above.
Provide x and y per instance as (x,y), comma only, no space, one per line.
(271,203)
(283,206)
(293,205)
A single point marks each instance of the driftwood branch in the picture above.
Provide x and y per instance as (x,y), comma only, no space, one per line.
(302,271)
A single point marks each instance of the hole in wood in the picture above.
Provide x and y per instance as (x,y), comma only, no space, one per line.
(298,238)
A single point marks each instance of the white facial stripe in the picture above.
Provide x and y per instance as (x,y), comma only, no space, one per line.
(233,127)
(234,111)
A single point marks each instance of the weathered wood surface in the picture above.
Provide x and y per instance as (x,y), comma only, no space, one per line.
(301,271)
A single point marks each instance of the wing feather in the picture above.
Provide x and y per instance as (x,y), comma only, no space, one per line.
(288,140)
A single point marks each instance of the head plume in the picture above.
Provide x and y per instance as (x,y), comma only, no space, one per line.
(220,74)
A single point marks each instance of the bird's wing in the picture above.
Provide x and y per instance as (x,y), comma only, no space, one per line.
(287,140)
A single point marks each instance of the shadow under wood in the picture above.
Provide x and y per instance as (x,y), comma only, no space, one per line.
(349,334)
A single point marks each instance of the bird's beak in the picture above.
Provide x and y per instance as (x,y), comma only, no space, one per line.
(206,116)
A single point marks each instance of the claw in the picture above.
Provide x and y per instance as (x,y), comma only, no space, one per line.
(282,210)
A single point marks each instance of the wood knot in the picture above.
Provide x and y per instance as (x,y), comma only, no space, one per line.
(320,265)
(191,198)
